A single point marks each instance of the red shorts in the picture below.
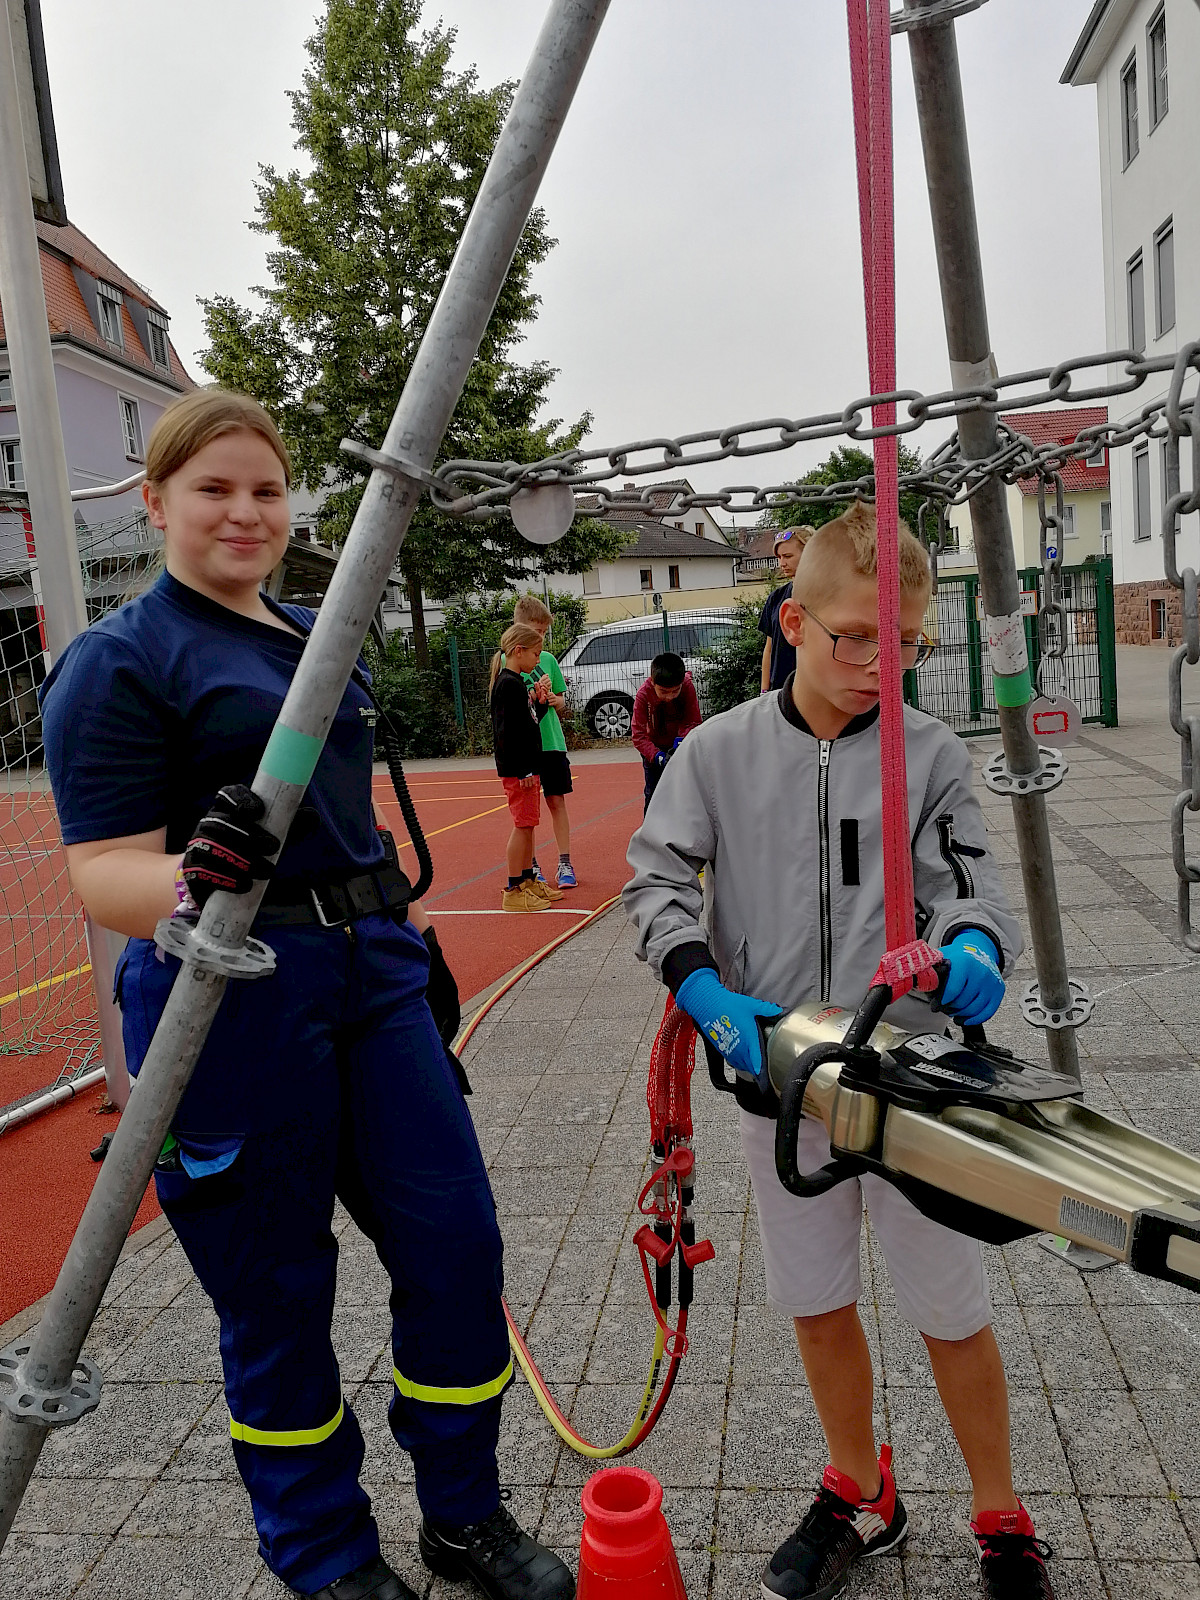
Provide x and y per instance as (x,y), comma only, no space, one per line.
(525,805)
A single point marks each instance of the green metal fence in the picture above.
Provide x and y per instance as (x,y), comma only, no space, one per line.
(956,683)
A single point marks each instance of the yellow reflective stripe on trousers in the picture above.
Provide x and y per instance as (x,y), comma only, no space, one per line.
(286,1437)
(468,1396)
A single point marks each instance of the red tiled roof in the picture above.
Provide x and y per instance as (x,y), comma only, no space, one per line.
(1063,427)
(68,316)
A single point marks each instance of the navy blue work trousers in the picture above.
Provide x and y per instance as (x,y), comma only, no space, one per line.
(328,1079)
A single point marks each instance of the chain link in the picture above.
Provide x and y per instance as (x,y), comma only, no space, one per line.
(1052,616)
(1183,422)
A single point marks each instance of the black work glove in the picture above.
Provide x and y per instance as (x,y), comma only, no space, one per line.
(228,849)
(442,992)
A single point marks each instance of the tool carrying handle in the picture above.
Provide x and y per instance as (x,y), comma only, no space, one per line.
(391,750)
(787,1129)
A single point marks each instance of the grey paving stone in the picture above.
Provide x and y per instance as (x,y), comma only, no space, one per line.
(181,1343)
(1172,1422)
(1143,1580)
(1041,1279)
(77,1505)
(165,1568)
(560,1339)
(774,1440)
(1157,1349)
(1072,1347)
(550,1145)
(1131,1528)
(384,1463)
(158,1282)
(927,1455)
(1108,1447)
(176,1508)
(759,1519)
(133,1433)
(43,1566)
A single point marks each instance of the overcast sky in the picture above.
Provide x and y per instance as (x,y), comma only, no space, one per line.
(702,192)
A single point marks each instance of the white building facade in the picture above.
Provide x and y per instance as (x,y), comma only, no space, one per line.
(1144,58)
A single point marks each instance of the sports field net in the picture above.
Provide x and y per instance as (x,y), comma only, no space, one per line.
(48,1026)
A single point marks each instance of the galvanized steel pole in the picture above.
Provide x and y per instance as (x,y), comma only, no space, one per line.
(451,342)
(934,51)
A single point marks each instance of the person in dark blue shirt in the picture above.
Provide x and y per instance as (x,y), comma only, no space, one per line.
(326,1079)
(779,655)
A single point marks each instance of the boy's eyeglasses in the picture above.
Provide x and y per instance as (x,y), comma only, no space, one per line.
(856,651)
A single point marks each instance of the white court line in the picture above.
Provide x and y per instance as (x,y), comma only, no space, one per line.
(560,911)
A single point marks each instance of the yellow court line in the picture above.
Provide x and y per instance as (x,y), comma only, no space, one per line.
(441,799)
(407,844)
(46,983)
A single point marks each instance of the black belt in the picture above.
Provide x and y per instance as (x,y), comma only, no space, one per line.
(333,905)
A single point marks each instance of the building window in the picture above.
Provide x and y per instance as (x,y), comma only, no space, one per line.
(673,578)
(11,470)
(647,578)
(1135,279)
(1129,109)
(591,581)
(303,530)
(1164,277)
(699,530)
(1141,493)
(1106,516)
(1156,61)
(1070,529)
(110,302)
(131,428)
(160,350)
(6,394)
(1158,619)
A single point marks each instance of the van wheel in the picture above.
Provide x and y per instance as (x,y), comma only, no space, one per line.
(611,716)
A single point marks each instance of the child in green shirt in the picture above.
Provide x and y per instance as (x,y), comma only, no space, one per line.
(550,687)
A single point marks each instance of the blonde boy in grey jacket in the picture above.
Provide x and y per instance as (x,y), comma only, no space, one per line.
(780,801)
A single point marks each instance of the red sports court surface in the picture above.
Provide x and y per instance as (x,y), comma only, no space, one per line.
(45,1173)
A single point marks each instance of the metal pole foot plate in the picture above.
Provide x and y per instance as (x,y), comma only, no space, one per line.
(30,1401)
(1075,1255)
(1000,779)
(184,940)
(1074,1014)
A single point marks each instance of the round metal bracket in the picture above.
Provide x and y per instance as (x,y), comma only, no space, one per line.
(542,512)
(23,1397)
(396,465)
(1000,779)
(931,14)
(181,939)
(1074,1014)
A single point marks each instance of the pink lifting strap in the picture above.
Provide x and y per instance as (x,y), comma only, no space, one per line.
(908,959)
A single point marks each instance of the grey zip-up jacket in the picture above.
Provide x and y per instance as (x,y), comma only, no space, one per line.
(787,827)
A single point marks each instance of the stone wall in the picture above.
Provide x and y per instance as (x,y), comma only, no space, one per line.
(1133,612)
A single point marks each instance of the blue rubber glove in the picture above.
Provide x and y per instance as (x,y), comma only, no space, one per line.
(974,988)
(729,1020)
(661,759)
(678,742)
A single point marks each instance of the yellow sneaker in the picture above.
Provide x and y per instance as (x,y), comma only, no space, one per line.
(523,898)
(540,886)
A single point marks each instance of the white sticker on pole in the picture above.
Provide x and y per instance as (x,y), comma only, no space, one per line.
(1006,644)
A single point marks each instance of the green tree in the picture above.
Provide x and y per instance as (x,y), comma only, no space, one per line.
(846,464)
(478,622)
(394,145)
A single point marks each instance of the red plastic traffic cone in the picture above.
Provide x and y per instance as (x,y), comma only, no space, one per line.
(626,1551)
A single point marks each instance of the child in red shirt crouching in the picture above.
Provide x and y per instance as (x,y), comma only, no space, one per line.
(664,713)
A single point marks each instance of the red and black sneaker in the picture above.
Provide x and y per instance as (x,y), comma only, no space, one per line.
(840,1527)
(1012,1560)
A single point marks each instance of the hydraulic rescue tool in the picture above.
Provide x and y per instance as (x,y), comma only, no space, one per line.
(979,1140)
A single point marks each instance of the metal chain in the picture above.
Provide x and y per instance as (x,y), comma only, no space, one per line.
(480,489)
(1183,422)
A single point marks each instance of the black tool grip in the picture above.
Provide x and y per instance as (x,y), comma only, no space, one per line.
(662,1271)
(787,1129)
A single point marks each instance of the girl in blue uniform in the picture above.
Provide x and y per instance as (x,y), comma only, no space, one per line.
(327,1078)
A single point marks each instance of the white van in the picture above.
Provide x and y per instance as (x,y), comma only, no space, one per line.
(605,669)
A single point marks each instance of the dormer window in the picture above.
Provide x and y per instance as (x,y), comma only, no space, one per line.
(160,350)
(109,301)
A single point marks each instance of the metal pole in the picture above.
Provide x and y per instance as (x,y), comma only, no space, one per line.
(934,51)
(27,332)
(216,948)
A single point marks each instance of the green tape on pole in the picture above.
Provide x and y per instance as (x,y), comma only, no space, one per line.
(290,756)
(1014,691)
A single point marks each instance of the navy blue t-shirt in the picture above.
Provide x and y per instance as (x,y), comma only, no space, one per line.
(159,704)
(783,652)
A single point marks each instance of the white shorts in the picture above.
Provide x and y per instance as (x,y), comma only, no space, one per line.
(811,1247)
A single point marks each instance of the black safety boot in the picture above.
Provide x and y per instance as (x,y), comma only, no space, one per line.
(495,1554)
(374,1581)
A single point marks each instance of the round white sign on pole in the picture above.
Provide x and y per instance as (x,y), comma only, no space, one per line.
(544,513)
(1054,721)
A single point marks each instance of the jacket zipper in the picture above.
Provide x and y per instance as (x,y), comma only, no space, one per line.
(826,746)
